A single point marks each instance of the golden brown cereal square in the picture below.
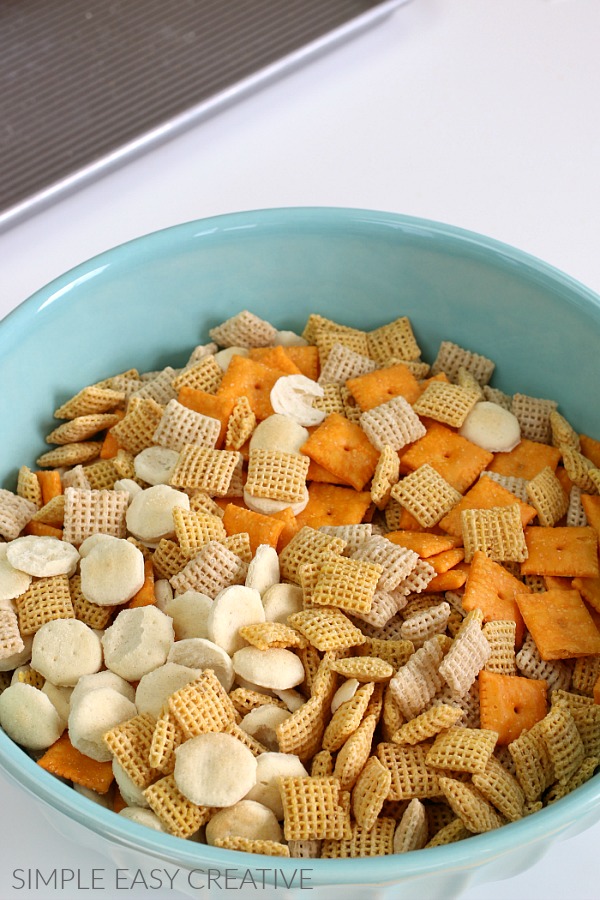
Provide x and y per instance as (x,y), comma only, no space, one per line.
(560,624)
(387,473)
(308,546)
(136,429)
(312,809)
(347,584)
(411,775)
(547,496)
(179,815)
(462,749)
(476,814)
(343,449)
(204,469)
(445,402)
(498,532)
(277,475)
(426,495)
(327,629)
(70,454)
(89,401)
(201,706)
(394,339)
(130,743)
(563,741)
(44,600)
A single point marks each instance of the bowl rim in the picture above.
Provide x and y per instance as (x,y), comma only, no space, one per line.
(469,854)
(297,217)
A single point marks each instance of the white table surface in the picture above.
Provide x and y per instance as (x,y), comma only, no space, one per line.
(480,114)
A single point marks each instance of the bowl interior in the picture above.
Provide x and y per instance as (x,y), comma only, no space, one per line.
(148,303)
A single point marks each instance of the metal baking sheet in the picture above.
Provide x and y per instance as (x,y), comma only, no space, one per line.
(85,86)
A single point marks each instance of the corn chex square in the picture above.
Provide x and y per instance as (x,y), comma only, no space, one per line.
(205,469)
(347,584)
(497,532)
(312,808)
(136,429)
(446,402)
(277,475)
(426,495)
(179,815)
(395,339)
(44,600)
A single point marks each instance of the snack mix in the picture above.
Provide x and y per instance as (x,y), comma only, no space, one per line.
(307,595)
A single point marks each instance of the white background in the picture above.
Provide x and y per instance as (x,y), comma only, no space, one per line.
(480,113)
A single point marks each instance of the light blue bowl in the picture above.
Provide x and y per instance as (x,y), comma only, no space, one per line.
(149,302)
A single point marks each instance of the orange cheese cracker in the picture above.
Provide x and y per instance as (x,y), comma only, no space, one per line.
(378,387)
(485,494)
(274,357)
(560,624)
(252,379)
(527,460)
(456,459)
(216,406)
(591,508)
(306,358)
(492,589)
(342,447)
(63,760)
(261,529)
(569,551)
(424,543)
(510,704)
(330,504)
